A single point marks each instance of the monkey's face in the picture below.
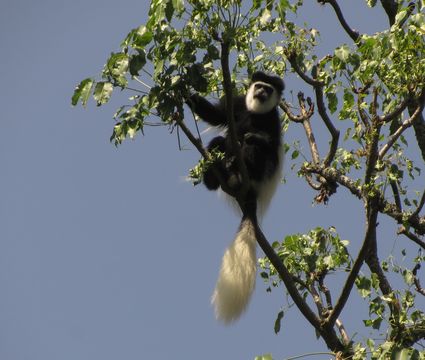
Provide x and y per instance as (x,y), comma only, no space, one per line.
(262,92)
(261,98)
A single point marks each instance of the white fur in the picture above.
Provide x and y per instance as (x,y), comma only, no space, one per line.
(267,189)
(236,280)
(256,106)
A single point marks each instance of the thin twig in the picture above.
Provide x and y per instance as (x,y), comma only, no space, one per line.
(318,89)
(394,137)
(416,281)
(396,193)
(384,206)
(397,111)
(372,146)
(411,236)
(205,154)
(420,205)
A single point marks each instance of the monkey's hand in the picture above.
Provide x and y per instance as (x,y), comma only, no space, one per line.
(260,139)
(234,178)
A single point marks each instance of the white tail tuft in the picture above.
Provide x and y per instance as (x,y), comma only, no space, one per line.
(236,280)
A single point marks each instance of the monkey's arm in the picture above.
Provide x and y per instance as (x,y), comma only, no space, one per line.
(259,152)
(212,114)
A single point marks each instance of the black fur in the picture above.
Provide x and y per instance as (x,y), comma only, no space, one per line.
(257,133)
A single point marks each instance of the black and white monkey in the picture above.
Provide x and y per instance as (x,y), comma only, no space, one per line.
(258,132)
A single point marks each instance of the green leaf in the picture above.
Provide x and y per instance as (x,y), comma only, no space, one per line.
(136,63)
(343,53)
(142,38)
(264,357)
(363,285)
(117,67)
(278,321)
(332,101)
(102,92)
(82,92)
(178,5)
(169,11)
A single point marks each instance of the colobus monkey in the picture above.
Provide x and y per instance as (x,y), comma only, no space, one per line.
(258,132)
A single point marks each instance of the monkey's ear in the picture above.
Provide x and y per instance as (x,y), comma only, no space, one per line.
(257,76)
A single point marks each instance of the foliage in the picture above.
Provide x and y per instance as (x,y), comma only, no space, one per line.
(372,90)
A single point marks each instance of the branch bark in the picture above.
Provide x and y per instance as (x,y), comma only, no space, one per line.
(328,333)
(384,206)
(370,233)
(353,34)
(390,7)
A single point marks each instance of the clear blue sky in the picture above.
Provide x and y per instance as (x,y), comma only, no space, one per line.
(108,253)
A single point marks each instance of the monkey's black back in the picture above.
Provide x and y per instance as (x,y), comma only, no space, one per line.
(259,136)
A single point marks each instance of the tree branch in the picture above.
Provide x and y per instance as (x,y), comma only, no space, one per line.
(406,124)
(328,334)
(227,84)
(420,205)
(419,127)
(390,7)
(416,281)
(318,89)
(396,193)
(384,206)
(372,262)
(370,233)
(397,111)
(354,35)
(411,236)
(372,144)
(340,326)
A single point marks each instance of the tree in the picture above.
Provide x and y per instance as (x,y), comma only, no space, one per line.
(372,91)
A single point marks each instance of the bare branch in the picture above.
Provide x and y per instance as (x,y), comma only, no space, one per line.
(406,124)
(328,334)
(353,34)
(372,146)
(397,111)
(420,206)
(372,262)
(292,58)
(370,234)
(416,281)
(340,326)
(317,299)
(296,118)
(342,331)
(411,236)
(304,118)
(318,89)
(312,184)
(396,193)
(384,206)
(307,127)
(321,107)
(390,7)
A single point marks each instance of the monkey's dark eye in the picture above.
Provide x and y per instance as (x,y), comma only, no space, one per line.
(263,88)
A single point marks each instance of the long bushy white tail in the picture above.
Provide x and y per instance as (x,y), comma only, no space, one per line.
(236,280)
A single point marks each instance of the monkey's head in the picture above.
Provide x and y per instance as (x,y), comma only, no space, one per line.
(264,93)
